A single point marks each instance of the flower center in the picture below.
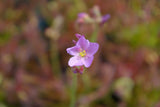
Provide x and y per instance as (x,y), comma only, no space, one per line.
(82,53)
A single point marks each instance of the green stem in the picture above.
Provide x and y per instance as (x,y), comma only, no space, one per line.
(94,34)
(73,91)
(55,58)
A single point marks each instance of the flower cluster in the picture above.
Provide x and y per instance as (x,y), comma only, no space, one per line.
(82,53)
(95,18)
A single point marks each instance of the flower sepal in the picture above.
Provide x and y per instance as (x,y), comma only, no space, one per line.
(78,69)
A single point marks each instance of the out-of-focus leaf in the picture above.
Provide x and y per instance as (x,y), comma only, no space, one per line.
(142,34)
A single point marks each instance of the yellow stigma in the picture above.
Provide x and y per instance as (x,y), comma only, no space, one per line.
(82,53)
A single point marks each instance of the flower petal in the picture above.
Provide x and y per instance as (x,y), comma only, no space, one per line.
(92,49)
(82,15)
(75,61)
(87,61)
(105,18)
(83,43)
(79,35)
(73,50)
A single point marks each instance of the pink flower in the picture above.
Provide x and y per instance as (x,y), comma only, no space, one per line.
(83,18)
(83,52)
(82,15)
(96,17)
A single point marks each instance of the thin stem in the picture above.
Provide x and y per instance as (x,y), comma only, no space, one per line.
(94,34)
(73,91)
(55,58)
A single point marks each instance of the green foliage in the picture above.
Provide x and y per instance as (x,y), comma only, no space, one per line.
(4,37)
(145,34)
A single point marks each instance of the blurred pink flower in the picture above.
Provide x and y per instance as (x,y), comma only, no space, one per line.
(96,17)
(83,17)
(83,52)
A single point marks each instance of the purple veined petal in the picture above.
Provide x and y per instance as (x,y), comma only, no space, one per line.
(83,43)
(87,61)
(79,35)
(92,49)
(73,50)
(105,18)
(75,61)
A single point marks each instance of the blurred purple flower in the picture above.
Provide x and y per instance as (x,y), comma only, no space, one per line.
(96,17)
(83,52)
(105,18)
(83,17)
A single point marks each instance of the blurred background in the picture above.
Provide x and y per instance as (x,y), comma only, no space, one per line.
(34,71)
